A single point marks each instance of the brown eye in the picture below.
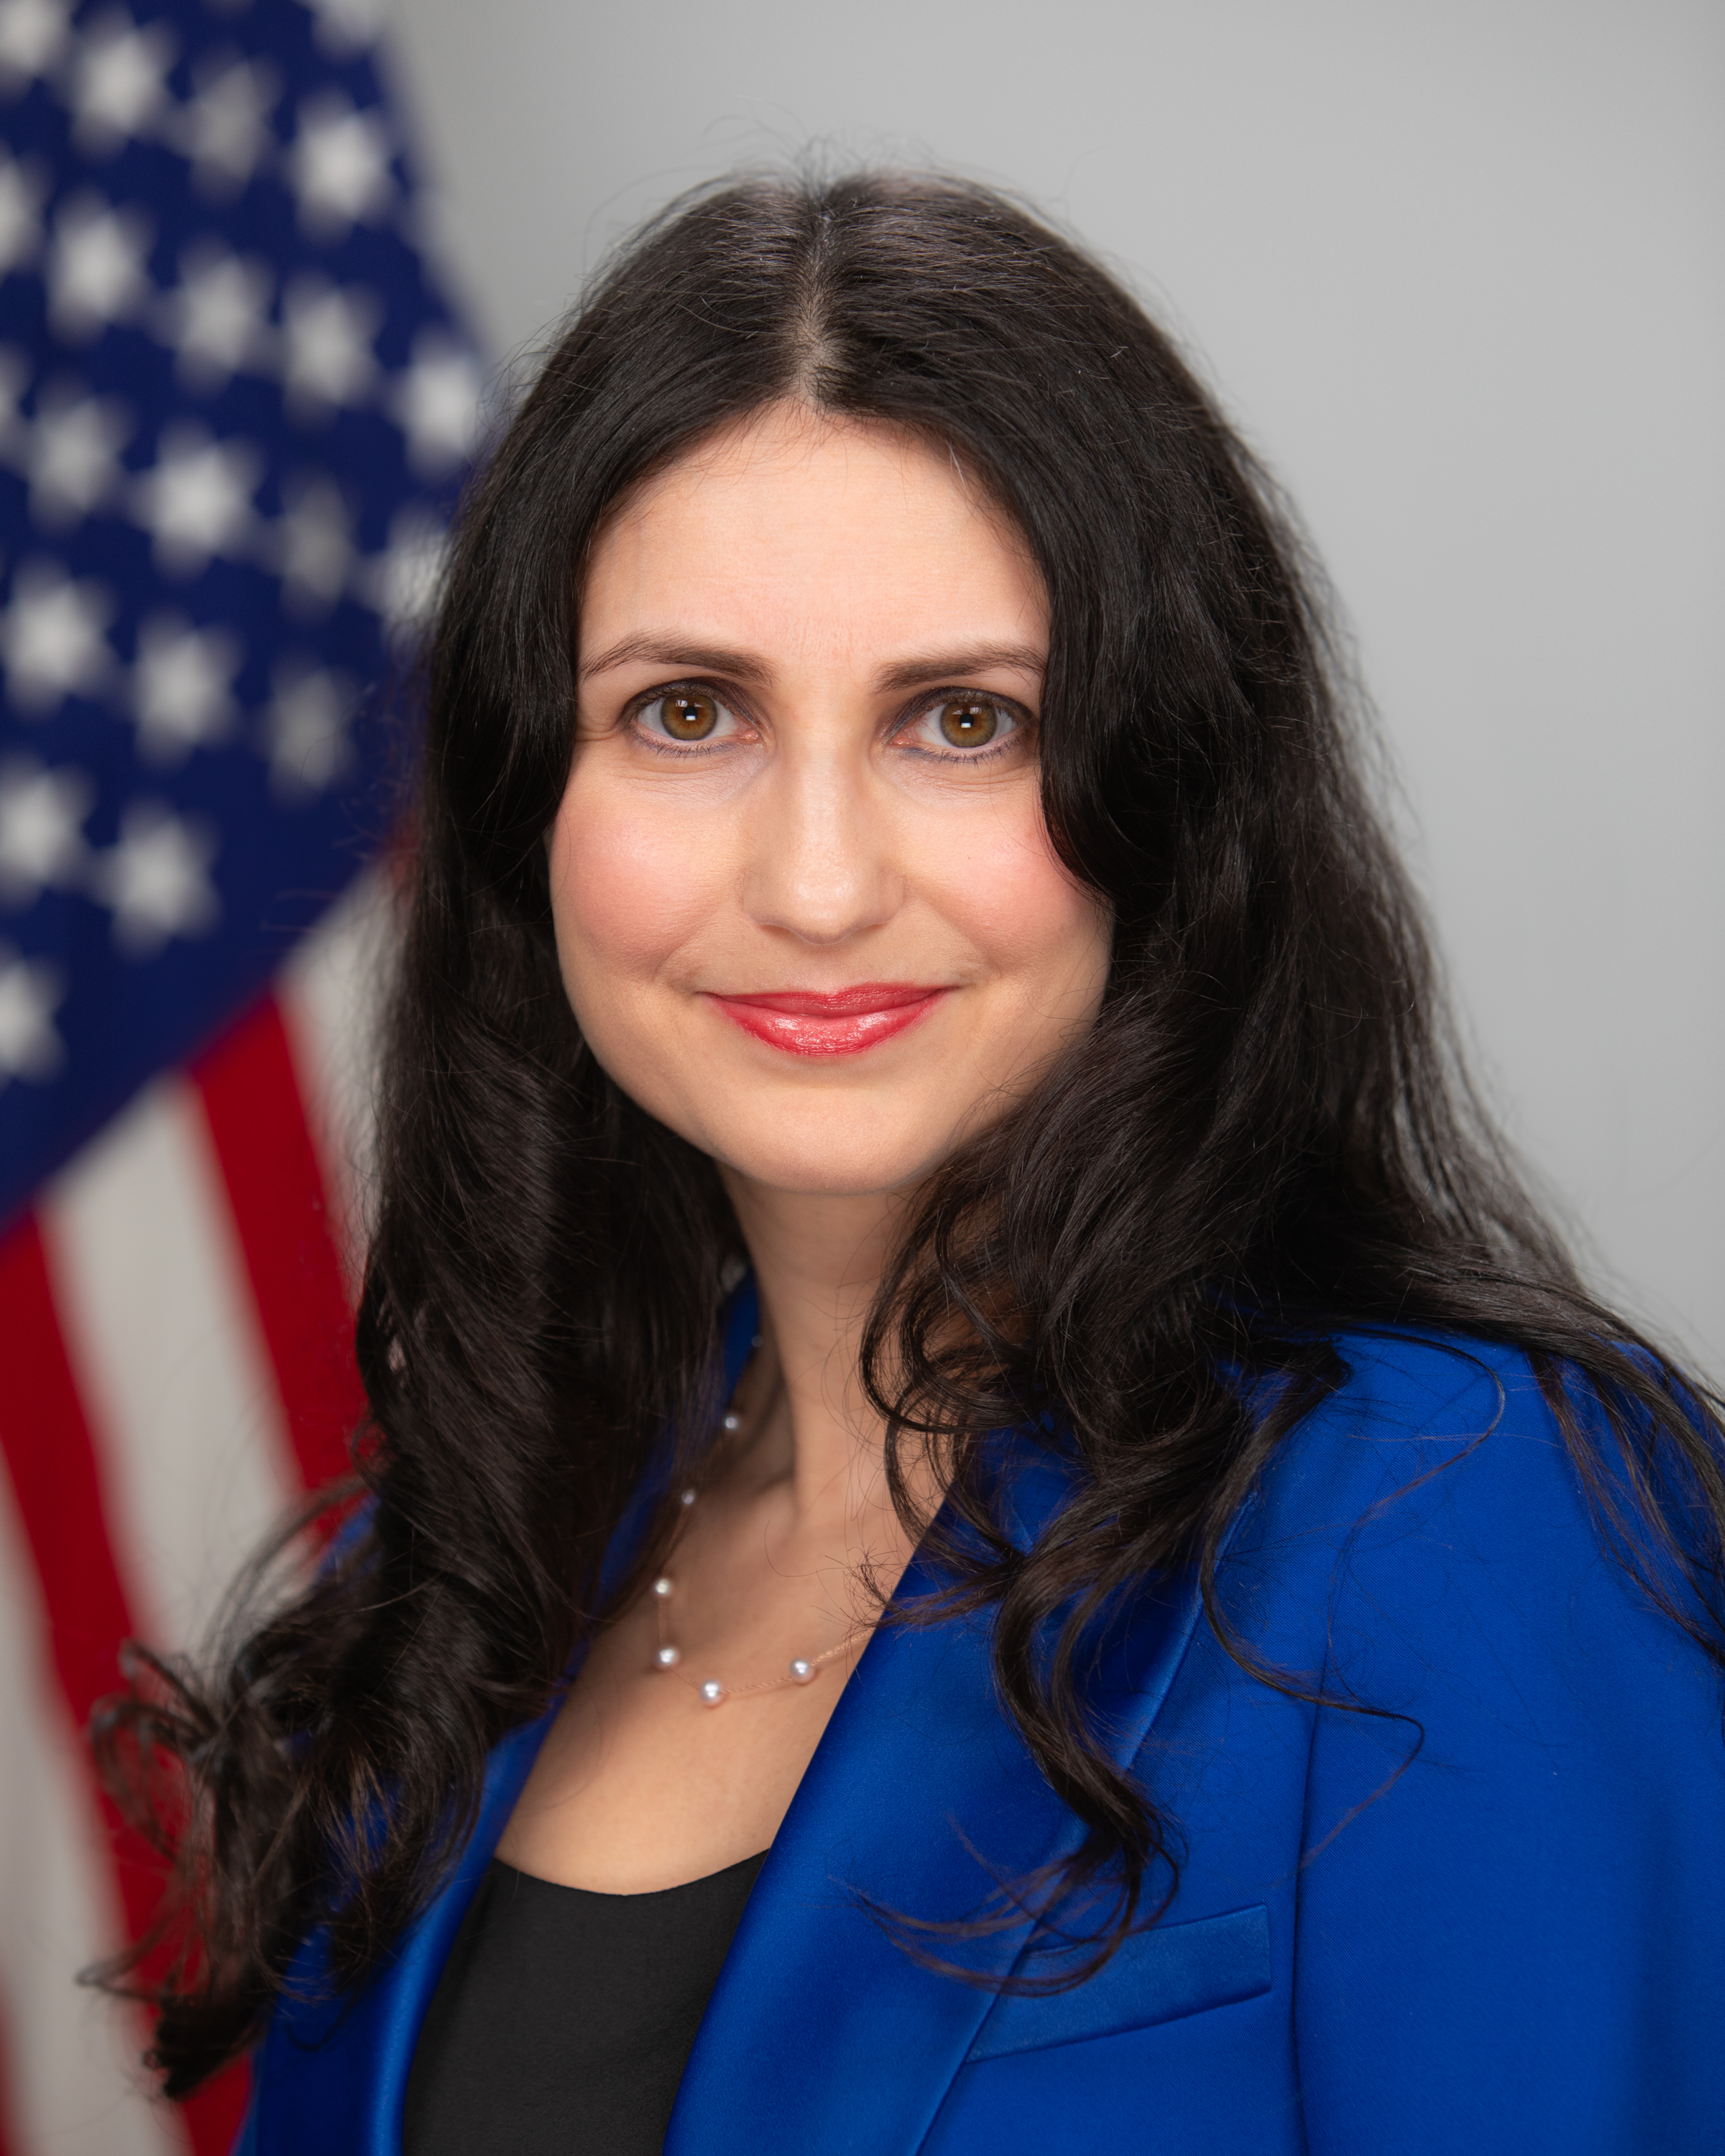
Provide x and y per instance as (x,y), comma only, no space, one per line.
(687,718)
(969,722)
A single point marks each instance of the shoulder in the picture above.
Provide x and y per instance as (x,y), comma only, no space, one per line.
(1430,1516)
(1420,1425)
(1412,1407)
(1423,1426)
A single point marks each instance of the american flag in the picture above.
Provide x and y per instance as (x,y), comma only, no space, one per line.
(233,407)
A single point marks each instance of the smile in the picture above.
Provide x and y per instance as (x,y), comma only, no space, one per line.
(842,1024)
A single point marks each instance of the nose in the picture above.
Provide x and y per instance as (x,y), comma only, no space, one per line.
(821,866)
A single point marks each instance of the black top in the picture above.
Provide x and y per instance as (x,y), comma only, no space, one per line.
(563,2020)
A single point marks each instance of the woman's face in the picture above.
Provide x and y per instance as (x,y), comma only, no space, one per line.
(806,907)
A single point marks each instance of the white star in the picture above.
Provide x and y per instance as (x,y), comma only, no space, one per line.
(346,27)
(42,815)
(14,374)
(198,499)
(181,684)
(72,456)
(311,546)
(215,316)
(306,729)
(23,188)
(156,879)
(51,637)
(326,345)
(339,165)
(32,33)
(96,272)
(436,403)
(115,81)
(402,582)
(224,128)
(31,991)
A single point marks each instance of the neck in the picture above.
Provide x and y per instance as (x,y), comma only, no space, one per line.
(817,1261)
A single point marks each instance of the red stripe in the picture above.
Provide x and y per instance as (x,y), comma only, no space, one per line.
(214,2115)
(257,1121)
(46,1445)
(257,1118)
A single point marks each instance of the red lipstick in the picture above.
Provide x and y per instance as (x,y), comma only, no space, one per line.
(843,1023)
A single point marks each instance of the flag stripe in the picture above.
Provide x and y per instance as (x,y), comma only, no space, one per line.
(46,1446)
(64,1511)
(164,1425)
(70,2057)
(212,2117)
(170,1358)
(51,1467)
(257,1119)
(191,771)
(331,993)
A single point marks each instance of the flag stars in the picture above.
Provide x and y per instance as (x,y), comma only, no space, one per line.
(436,403)
(401,583)
(72,454)
(96,266)
(339,166)
(311,546)
(181,686)
(24,187)
(115,81)
(156,879)
(198,499)
(14,376)
(224,128)
(327,336)
(215,319)
(306,728)
(32,34)
(31,991)
(42,816)
(346,27)
(52,638)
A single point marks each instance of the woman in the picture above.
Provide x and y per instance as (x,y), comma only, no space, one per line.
(993,1525)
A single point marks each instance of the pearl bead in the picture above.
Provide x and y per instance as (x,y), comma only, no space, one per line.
(667,1657)
(734,1422)
(712,1693)
(803,1672)
(687,1497)
(662,1588)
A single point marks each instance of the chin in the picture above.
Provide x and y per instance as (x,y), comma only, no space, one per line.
(816,1159)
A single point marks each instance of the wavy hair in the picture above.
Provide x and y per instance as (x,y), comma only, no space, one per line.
(1264,1138)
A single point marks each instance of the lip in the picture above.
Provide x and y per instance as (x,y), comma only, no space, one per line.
(841,1022)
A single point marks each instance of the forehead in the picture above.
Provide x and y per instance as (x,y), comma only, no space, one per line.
(794,527)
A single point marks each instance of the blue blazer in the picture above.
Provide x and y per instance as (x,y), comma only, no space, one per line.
(1489,1919)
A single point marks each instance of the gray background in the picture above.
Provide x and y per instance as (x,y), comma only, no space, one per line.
(1456,272)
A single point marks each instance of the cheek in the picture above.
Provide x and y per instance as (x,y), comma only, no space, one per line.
(628,891)
(1008,890)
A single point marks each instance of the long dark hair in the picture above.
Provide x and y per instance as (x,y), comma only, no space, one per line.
(1263,1139)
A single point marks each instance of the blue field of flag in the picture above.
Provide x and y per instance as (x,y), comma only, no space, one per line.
(233,408)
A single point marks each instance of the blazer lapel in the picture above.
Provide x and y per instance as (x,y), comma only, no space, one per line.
(333,2073)
(822,2033)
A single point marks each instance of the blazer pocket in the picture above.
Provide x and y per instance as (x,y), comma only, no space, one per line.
(1158,1975)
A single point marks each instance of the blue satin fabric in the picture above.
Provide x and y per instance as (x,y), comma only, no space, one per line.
(1488,1916)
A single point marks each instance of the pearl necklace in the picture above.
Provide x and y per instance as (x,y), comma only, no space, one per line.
(713,1691)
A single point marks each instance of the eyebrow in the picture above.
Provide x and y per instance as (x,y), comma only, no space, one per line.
(952,665)
(908,673)
(668,651)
